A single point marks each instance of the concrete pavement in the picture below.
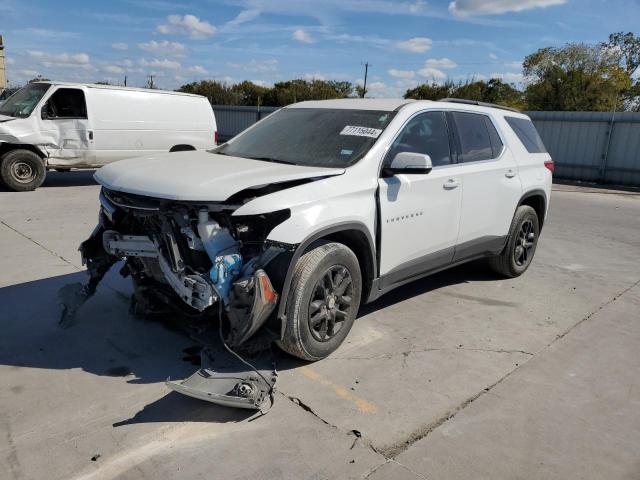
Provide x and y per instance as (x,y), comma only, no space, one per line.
(460,375)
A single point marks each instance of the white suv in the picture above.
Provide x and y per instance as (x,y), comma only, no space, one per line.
(321,207)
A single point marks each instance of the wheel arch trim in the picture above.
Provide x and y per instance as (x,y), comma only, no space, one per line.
(302,247)
(537,192)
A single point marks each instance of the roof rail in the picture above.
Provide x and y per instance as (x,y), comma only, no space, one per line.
(480,104)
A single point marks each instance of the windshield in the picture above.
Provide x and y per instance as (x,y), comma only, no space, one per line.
(311,136)
(22,103)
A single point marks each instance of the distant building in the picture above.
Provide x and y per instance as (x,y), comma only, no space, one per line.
(3,71)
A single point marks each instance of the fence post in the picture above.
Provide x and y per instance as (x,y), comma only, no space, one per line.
(605,155)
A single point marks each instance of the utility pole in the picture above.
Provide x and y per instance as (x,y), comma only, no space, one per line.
(125,80)
(150,84)
(366,71)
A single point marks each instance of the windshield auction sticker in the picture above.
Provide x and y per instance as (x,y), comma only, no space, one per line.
(361,131)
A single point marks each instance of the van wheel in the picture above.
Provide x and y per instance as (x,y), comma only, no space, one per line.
(323,301)
(521,245)
(22,170)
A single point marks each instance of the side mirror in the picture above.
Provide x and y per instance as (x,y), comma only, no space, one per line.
(43,112)
(409,162)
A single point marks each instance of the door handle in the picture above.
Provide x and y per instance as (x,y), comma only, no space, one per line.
(451,184)
(90,134)
(510,174)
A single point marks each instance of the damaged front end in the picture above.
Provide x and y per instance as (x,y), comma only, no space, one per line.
(196,258)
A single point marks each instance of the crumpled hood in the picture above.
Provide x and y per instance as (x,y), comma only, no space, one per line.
(199,175)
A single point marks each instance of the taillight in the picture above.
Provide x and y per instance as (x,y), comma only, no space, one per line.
(215,137)
(550,165)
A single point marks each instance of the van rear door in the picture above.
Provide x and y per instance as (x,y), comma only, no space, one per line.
(64,124)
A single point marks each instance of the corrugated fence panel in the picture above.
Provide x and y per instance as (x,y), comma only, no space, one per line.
(578,141)
(231,120)
(580,145)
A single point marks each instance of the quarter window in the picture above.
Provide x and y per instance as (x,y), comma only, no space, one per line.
(66,103)
(475,141)
(527,134)
(427,134)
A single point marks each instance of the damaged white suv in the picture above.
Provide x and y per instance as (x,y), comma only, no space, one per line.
(321,207)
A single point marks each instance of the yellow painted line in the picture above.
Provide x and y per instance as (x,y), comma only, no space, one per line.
(361,404)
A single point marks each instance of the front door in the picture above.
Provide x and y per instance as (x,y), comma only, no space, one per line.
(420,213)
(65,127)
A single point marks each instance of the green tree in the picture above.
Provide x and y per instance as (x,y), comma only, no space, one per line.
(431,91)
(574,77)
(218,93)
(492,91)
(626,48)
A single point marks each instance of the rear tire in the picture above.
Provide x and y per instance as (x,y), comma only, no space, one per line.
(22,170)
(521,244)
(323,301)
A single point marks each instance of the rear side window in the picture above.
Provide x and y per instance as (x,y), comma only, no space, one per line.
(475,142)
(527,134)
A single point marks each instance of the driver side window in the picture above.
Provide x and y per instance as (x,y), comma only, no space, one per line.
(66,103)
(427,134)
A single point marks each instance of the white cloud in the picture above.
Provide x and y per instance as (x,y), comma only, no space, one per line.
(314,76)
(261,83)
(493,56)
(198,69)
(156,63)
(119,46)
(114,69)
(29,73)
(77,58)
(513,64)
(401,73)
(46,33)
(432,74)
(165,48)
(301,36)
(243,17)
(468,8)
(375,89)
(261,66)
(415,45)
(187,25)
(509,77)
(9,61)
(440,63)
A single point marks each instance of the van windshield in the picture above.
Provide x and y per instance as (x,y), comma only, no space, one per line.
(22,103)
(319,137)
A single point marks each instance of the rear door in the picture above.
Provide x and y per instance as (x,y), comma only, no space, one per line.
(64,124)
(492,187)
(419,213)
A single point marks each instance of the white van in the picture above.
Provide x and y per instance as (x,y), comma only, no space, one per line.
(53,125)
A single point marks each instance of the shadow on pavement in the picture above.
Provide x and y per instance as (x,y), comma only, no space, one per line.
(174,407)
(74,178)
(106,340)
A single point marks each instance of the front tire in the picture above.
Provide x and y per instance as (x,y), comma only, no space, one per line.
(521,244)
(22,170)
(323,301)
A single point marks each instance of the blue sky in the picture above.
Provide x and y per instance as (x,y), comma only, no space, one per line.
(406,41)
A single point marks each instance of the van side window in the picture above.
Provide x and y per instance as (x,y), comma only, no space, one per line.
(425,133)
(66,103)
(475,142)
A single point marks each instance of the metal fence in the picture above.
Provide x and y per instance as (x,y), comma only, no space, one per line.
(586,146)
(597,147)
